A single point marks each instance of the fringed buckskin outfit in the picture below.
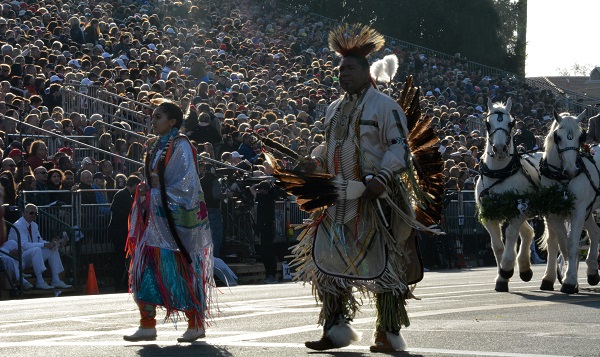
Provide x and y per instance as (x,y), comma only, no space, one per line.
(170,244)
(356,243)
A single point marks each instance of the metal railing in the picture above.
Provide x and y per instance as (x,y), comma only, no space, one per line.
(83,145)
(89,100)
(466,241)
(86,224)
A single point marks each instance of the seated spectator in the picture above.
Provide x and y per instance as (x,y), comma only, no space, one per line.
(40,198)
(120,181)
(54,183)
(86,181)
(88,164)
(69,180)
(34,246)
(38,154)
(7,180)
(101,196)
(135,152)
(27,184)
(64,163)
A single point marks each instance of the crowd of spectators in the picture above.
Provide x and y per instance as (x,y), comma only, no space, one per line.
(238,68)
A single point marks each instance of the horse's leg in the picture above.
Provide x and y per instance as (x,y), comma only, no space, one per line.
(570,285)
(550,244)
(524,256)
(507,264)
(592,257)
(495,231)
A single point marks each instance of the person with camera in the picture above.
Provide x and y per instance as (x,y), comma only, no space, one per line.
(264,227)
(213,196)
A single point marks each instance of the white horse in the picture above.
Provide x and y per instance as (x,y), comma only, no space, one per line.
(502,170)
(564,163)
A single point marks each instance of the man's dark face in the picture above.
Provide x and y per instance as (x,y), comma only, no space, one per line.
(353,77)
(107,168)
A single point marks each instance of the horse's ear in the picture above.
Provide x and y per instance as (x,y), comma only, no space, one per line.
(508,105)
(581,116)
(557,117)
(490,104)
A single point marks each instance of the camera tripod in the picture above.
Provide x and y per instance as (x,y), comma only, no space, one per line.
(238,232)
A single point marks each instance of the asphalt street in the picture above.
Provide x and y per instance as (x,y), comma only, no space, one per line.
(458,314)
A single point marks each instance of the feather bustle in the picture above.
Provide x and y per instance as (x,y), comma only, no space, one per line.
(427,160)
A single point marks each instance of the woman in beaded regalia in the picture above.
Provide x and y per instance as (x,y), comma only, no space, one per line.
(170,245)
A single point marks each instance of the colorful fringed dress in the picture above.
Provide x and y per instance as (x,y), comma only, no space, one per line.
(170,243)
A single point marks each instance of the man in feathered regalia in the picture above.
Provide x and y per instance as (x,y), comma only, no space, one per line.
(365,241)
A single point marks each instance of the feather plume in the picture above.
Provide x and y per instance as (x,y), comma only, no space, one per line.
(427,160)
(378,72)
(279,147)
(390,66)
(355,40)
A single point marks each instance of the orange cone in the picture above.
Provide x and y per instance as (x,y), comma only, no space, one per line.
(91,287)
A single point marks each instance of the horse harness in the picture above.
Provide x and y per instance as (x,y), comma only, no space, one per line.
(555,173)
(500,175)
(513,167)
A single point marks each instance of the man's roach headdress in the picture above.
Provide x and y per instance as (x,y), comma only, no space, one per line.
(355,40)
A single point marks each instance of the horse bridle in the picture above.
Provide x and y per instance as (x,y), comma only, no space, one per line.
(556,138)
(508,132)
(555,173)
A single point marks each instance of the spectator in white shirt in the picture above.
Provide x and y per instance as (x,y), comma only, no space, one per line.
(31,241)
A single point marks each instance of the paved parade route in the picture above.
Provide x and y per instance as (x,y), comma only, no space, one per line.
(458,314)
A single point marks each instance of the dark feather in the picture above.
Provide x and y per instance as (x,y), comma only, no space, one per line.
(427,160)
(312,191)
(279,147)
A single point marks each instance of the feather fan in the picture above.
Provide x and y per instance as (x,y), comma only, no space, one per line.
(314,191)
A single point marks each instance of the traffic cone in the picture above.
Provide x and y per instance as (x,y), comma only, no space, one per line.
(91,287)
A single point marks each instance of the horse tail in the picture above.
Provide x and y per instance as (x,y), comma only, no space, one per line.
(546,238)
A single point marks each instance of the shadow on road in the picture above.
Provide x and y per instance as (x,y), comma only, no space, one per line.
(194,349)
(360,354)
(585,297)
